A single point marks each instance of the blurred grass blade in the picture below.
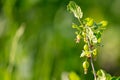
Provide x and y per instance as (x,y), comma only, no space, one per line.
(14,44)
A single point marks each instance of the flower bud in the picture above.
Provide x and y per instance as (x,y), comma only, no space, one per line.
(85,40)
(78,38)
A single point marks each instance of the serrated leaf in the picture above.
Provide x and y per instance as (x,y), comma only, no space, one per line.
(75,9)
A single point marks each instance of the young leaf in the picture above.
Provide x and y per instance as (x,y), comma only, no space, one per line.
(89,22)
(75,26)
(104,23)
(75,9)
(102,75)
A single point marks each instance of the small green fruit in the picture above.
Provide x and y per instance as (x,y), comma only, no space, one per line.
(85,66)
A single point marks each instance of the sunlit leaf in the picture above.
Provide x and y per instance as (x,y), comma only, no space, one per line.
(104,23)
(89,21)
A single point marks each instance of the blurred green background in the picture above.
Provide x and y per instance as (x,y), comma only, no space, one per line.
(37,41)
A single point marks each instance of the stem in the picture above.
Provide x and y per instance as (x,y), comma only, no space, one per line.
(91,59)
(94,73)
(80,21)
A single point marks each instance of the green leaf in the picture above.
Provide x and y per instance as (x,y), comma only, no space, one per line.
(104,23)
(96,26)
(115,78)
(75,9)
(73,76)
(75,26)
(89,21)
(98,36)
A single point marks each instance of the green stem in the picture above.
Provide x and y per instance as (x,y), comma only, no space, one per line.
(91,59)
(94,73)
(80,21)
